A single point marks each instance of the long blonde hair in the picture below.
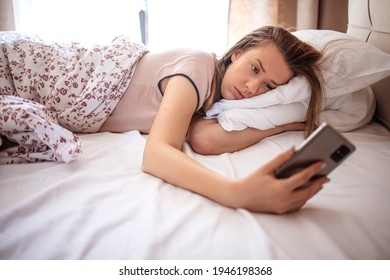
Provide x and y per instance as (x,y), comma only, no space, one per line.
(300,57)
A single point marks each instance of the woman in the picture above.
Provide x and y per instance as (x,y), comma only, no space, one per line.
(177,87)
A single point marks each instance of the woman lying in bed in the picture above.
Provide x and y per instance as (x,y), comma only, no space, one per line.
(48,90)
(170,91)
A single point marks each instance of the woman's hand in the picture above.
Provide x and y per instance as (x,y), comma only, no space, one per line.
(261,191)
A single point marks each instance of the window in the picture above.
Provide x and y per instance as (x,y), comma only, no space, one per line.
(85,21)
(167,24)
(194,23)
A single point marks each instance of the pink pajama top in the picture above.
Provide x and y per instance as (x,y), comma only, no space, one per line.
(140,103)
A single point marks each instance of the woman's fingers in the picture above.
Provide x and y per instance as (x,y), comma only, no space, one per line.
(281,195)
(275,163)
(297,179)
(303,176)
(302,195)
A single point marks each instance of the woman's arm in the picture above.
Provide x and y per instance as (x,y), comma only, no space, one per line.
(207,137)
(259,191)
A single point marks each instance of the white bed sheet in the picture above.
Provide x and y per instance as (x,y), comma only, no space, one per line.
(103,206)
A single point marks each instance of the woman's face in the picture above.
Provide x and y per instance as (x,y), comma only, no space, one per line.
(254,71)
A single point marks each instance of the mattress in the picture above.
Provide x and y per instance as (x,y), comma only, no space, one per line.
(102,206)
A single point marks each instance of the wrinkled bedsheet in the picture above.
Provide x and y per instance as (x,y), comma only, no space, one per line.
(102,206)
(49,91)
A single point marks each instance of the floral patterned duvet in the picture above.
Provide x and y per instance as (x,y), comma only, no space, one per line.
(50,91)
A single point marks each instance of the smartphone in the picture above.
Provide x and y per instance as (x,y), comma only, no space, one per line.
(324,144)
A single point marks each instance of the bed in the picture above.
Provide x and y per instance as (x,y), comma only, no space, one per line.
(102,206)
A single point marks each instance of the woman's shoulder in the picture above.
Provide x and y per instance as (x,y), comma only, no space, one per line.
(183,54)
(194,61)
(197,54)
(197,64)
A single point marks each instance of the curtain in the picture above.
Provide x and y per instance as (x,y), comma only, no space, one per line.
(85,21)
(243,16)
(188,23)
(246,15)
(6,15)
(166,23)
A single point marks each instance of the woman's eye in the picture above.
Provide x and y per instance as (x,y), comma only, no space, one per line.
(255,69)
(268,86)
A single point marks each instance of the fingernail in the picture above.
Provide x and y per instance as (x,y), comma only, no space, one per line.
(323,165)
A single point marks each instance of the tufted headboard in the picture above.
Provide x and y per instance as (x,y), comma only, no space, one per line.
(369,20)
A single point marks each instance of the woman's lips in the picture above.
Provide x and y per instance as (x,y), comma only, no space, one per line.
(238,94)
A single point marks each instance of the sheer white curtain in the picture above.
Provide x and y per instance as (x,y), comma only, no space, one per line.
(85,21)
(189,23)
(171,23)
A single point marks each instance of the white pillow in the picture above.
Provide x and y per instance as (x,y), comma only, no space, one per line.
(351,63)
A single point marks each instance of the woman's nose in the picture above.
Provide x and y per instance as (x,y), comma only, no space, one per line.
(253,86)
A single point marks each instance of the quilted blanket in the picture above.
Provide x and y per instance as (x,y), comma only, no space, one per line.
(49,91)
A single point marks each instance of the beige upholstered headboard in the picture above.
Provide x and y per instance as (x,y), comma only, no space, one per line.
(369,20)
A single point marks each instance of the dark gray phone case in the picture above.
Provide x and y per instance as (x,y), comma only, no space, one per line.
(324,144)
